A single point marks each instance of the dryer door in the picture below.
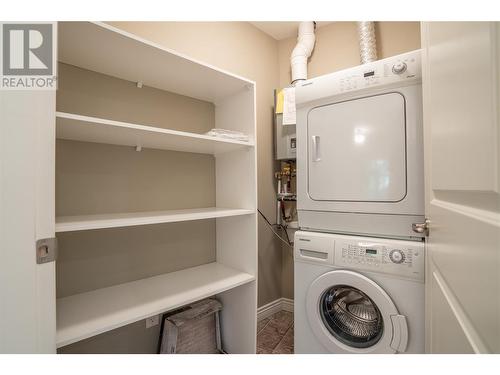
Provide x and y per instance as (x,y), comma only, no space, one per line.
(349,313)
(357,150)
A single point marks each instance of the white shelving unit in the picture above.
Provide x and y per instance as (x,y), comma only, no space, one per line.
(88,314)
(89,222)
(105,49)
(232,278)
(91,129)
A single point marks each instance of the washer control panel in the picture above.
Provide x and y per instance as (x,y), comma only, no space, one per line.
(397,256)
(403,258)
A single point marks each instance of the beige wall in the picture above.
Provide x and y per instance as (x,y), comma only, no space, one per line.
(240,48)
(337,48)
(130,339)
(89,93)
(123,175)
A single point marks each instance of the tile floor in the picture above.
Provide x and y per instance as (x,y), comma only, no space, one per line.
(275,334)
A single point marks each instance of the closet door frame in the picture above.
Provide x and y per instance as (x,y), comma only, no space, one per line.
(27,214)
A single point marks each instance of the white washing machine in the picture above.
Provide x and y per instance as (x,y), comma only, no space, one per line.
(360,150)
(358,294)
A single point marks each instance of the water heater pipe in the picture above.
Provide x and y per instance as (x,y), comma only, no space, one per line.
(302,51)
(367,42)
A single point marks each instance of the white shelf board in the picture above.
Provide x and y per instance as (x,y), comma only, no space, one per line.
(88,314)
(106,49)
(92,129)
(101,221)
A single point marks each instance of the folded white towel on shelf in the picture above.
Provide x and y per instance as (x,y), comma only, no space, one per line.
(229,134)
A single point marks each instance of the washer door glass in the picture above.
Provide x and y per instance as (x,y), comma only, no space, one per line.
(351,316)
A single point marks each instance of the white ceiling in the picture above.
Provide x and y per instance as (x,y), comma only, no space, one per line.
(282,29)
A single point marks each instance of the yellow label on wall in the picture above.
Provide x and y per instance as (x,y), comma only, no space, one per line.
(279,101)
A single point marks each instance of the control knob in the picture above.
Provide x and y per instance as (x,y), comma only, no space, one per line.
(397,256)
(399,68)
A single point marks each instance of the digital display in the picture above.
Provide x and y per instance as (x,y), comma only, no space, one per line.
(369,74)
(371,251)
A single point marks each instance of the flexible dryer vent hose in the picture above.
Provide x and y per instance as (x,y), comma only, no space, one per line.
(367,42)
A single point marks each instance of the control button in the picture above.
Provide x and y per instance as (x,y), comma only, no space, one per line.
(397,256)
(399,68)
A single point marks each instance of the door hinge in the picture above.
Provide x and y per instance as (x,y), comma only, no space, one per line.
(421,227)
(46,250)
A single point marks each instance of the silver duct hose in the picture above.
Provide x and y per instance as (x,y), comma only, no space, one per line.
(367,42)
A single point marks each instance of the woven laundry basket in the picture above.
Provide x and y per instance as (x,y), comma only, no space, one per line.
(194,329)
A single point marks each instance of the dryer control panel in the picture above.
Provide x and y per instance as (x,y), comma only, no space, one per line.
(402,258)
(395,71)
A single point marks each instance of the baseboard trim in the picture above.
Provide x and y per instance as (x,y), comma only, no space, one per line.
(285,304)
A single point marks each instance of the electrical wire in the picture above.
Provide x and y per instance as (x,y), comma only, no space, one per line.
(287,241)
(286,234)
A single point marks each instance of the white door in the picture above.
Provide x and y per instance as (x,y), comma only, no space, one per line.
(27,167)
(462,137)
(357,150)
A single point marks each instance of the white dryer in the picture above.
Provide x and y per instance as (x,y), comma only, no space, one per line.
(360,150)
(358,294)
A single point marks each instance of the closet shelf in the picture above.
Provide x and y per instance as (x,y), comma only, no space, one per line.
(92,129)
(101,221)
(102,48)
(88,314)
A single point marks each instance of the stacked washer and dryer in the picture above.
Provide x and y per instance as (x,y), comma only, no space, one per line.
(359,254)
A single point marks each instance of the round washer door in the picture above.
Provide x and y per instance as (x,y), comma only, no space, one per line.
(349,313)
